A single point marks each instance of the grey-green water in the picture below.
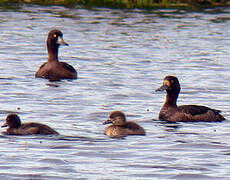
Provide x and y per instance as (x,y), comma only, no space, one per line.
(122,56)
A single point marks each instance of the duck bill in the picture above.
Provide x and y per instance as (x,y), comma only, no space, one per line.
(108,121)
(61,41)
(4,125)
(162,88)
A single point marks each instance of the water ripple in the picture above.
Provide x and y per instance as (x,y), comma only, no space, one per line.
(121,56)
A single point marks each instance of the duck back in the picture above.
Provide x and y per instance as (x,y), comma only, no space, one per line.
(68,67)
(130,128)
(190,113)
(61,71)
(201,113)
(36,128)
(134,129)
(196,109)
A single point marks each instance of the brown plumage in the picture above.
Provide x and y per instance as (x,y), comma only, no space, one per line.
(186,113)
(53,69)
(120,127)
(15,127)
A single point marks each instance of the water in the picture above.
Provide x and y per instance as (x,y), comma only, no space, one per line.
(122,56)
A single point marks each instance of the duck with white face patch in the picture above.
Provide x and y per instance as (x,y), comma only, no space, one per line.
(186,113)
(53,69)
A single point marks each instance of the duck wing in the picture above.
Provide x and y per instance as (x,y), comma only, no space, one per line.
(36,128)
(196,109)
(134,129)
(200,113)
(41,72)
(68,67)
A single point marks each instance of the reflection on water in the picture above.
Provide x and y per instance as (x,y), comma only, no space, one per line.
(122,57)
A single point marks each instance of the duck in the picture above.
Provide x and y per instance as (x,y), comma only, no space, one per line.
(15,127)
(53,69)
(185,113)
(120,127)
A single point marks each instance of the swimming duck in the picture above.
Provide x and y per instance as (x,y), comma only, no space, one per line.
(53,69)
(120,127)
(187,113)
(15,127)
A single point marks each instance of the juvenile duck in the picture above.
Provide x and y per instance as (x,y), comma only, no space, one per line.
(187,113)
(15,127)
(53,69)
(120,127)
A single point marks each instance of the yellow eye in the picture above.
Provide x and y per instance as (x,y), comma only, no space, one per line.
(172,81)
(55,35)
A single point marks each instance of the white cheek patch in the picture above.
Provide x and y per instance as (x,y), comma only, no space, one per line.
(61,41)
(167,83)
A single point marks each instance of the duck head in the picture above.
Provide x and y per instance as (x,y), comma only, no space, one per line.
(116,118)
(54,40)
(55,37)
(12,121)
(170,84)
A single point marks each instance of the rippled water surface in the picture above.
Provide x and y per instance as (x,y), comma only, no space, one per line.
(122,56)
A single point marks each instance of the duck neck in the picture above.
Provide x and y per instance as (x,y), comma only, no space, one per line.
(171,98)
(52,51)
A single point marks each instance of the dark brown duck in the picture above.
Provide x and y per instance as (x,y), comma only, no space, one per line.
(53,69)
(15,127)
(120,127)
(186,113)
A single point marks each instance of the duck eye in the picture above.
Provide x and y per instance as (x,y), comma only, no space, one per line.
(55,35)
(172,81)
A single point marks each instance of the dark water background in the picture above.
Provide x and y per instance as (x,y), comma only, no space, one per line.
(122,56)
